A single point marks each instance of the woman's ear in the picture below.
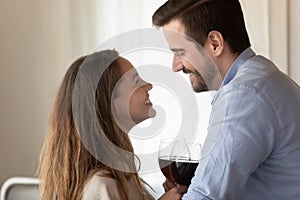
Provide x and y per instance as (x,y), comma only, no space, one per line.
(215,41)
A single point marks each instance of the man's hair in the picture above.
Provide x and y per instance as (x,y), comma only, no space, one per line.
(200,17)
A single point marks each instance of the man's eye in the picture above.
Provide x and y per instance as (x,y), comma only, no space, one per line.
(180,53)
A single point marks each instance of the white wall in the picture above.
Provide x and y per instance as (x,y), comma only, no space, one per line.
(273,26)
(39,39)
(294,39)
(24,85)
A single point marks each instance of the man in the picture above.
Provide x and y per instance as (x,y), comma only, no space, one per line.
(252,150)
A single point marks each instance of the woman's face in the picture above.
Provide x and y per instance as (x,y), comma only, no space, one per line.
(130,96)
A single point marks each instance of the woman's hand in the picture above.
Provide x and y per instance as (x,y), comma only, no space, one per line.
(168,185)
(174,193)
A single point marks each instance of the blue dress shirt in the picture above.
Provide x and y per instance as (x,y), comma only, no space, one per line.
(252,150)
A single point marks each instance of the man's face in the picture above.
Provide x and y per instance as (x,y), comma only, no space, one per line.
(188,57)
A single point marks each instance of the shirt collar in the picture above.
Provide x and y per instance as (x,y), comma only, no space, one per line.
(244,56)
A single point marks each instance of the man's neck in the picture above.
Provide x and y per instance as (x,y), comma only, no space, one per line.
(225,62)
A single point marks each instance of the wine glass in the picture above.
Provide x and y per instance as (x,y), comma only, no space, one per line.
(178,160)
(164,158)
(186,158)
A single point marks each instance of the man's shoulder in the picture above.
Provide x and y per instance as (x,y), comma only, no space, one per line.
(257,74)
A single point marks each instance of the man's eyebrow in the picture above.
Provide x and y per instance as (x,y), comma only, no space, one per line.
(177,49)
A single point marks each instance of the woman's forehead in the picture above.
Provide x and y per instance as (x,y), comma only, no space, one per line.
(125,66)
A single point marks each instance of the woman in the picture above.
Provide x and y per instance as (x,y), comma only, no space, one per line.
(87,153)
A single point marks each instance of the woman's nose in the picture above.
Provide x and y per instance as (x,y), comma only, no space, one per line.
(148,86)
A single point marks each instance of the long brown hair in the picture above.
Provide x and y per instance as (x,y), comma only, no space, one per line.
(66,164)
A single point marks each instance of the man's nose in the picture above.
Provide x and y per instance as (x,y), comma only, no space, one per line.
(177,64)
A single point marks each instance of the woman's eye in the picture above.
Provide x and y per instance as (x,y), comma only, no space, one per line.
(137,80)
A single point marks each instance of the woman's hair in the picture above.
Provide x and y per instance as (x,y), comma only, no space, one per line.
(67,162)
(200,17)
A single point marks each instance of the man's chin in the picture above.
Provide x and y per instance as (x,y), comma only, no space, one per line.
(199,88)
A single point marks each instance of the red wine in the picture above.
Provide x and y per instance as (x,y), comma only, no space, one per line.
(165,167)
(183,171)
(180,171)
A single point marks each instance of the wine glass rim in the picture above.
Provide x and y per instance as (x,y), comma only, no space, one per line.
(174,140)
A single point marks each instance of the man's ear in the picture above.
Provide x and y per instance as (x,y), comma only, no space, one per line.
(215,41)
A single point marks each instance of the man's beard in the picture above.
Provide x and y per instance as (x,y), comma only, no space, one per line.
(200,85)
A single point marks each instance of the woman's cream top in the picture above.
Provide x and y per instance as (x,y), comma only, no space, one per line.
(105,188)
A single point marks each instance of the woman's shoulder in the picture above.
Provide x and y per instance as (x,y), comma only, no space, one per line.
(103,187)
(102,178)
(100,186)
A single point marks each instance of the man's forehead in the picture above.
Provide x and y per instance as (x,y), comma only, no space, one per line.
(174,25)
(175,34)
